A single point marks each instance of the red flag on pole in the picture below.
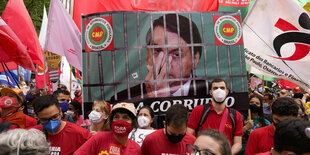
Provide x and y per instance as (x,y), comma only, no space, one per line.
(40,77)
(12,49)
(17,18)
(92,6)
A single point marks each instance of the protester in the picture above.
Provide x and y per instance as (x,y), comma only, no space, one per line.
(261,140)
(257,120)
(122,120)
(219,116)
(301,110)
(63,97)
(65,137)
(75,111)
(25,142)
(99,117)
(10,102)
(145,120)
(267,102)
(78,96)
(292,136)
(211,142)
(173,138)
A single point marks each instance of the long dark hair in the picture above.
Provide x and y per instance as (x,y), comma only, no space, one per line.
(261,117)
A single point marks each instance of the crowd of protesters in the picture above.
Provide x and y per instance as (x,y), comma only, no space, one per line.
(36,122)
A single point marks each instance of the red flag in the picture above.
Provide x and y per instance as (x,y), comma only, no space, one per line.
(92,6)
(11,65)
(40,77)
(17,18)
(12,49)
(285,84)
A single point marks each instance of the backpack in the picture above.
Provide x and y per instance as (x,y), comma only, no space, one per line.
(206,110)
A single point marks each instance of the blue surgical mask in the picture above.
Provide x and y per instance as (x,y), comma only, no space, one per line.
(52,125)
(64,106)
(260,89)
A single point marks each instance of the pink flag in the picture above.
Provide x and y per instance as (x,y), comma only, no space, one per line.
(12,49)
(63,36)
(17,18)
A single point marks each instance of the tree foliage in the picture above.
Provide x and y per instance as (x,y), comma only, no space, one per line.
(35,9)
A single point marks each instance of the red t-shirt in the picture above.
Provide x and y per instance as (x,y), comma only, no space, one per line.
(260,140)
(157,143)
(213,121)
(68,140)
(105,143)
(30,122)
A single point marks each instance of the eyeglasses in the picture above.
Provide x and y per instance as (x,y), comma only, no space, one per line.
(54,117)
(196,151)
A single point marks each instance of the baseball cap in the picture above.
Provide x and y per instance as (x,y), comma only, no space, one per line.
(123,105)
(14,91)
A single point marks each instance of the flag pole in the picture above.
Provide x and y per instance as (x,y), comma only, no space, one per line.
(7,78)
(18,76)
(11,74)
(44,67)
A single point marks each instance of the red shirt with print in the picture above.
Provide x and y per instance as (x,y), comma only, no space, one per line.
(260,140)
(105,143)
(157,143)
(213,121)
(68,140)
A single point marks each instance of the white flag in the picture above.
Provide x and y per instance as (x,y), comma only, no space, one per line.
(276,40)
(63,37)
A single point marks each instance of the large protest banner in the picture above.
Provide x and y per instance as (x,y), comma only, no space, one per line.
(277,39)
(188,50)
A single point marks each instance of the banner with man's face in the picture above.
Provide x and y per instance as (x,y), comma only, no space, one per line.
(162,58)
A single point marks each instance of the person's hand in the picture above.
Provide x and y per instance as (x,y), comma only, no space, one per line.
(249,124)
(160,74)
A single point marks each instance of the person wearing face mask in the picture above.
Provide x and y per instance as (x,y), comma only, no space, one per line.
(261,140)
(78,96)
(63,97)
(267,102)
(99,117)
(256,121)
(64,137)
(145,120)
(122,120)
(75,111)
(172,139)
(218,117)
(10,102)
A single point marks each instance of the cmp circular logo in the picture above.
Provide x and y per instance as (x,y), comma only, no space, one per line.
(98,34)
(227,30)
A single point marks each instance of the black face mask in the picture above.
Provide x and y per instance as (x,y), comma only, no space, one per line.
(254,108)
(175,139)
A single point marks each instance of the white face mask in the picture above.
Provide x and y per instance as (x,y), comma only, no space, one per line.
(219,95)
(143,121)
(94,117)
(70,113)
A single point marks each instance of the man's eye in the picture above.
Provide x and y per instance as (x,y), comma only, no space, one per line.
(157,50)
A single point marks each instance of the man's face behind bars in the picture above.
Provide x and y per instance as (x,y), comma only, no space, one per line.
(173,59)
